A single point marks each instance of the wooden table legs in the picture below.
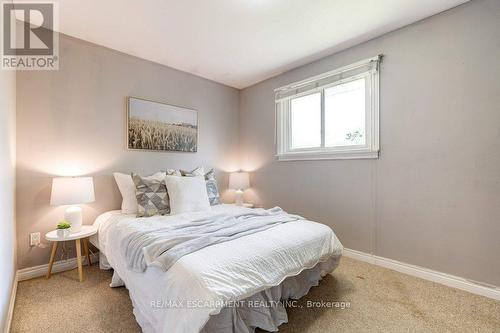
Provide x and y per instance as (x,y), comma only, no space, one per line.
(78,256)
(52,257)
(79,259)
(86,250)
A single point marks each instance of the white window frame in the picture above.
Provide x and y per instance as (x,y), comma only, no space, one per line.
(318,84)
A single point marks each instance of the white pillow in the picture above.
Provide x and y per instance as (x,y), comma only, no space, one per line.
(187,194)
(173,172)
(127,189)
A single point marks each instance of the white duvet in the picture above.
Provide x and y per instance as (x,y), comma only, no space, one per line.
(202,283)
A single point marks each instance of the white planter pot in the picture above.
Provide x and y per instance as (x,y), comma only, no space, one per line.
(62,233)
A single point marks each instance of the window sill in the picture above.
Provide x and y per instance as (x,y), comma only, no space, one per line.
(338,155)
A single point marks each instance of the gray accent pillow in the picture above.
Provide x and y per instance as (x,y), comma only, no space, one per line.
(152,196)
(212,189)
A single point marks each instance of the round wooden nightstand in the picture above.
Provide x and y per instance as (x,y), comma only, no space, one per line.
(78,237)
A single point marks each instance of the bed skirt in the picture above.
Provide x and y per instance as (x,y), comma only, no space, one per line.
(266,309)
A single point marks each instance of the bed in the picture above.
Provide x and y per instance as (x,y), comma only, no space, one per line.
(232,286)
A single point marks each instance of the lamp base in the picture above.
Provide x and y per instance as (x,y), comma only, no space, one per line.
(239,198)
(73,215)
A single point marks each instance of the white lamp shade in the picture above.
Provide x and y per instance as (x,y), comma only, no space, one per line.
(72,191)
(239,180)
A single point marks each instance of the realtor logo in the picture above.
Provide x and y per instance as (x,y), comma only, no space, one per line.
(28,38)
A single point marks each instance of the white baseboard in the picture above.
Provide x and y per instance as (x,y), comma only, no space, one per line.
(417,271)
(59,266)
(453,281)
(12,302)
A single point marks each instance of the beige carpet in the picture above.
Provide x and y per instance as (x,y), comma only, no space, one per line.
(380,300)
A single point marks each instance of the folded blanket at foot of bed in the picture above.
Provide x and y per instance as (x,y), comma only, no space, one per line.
(164,247)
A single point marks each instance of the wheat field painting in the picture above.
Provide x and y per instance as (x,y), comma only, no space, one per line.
(161,127)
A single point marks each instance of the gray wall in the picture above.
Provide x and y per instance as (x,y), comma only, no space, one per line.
(433,197)
(72,122)
(7,188)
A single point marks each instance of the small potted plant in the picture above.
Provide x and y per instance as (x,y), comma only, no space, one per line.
(63,229)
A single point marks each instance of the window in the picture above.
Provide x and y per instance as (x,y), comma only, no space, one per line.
(330,116)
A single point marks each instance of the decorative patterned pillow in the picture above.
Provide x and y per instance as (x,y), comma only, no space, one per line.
(127,190)
(151,195)
(211,182)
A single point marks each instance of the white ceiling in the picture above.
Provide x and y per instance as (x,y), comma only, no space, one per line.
(238,42)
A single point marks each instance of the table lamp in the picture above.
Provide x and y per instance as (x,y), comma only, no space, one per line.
(72,191)
(239,181)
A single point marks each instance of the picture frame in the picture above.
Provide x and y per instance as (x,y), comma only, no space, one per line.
(161,127)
